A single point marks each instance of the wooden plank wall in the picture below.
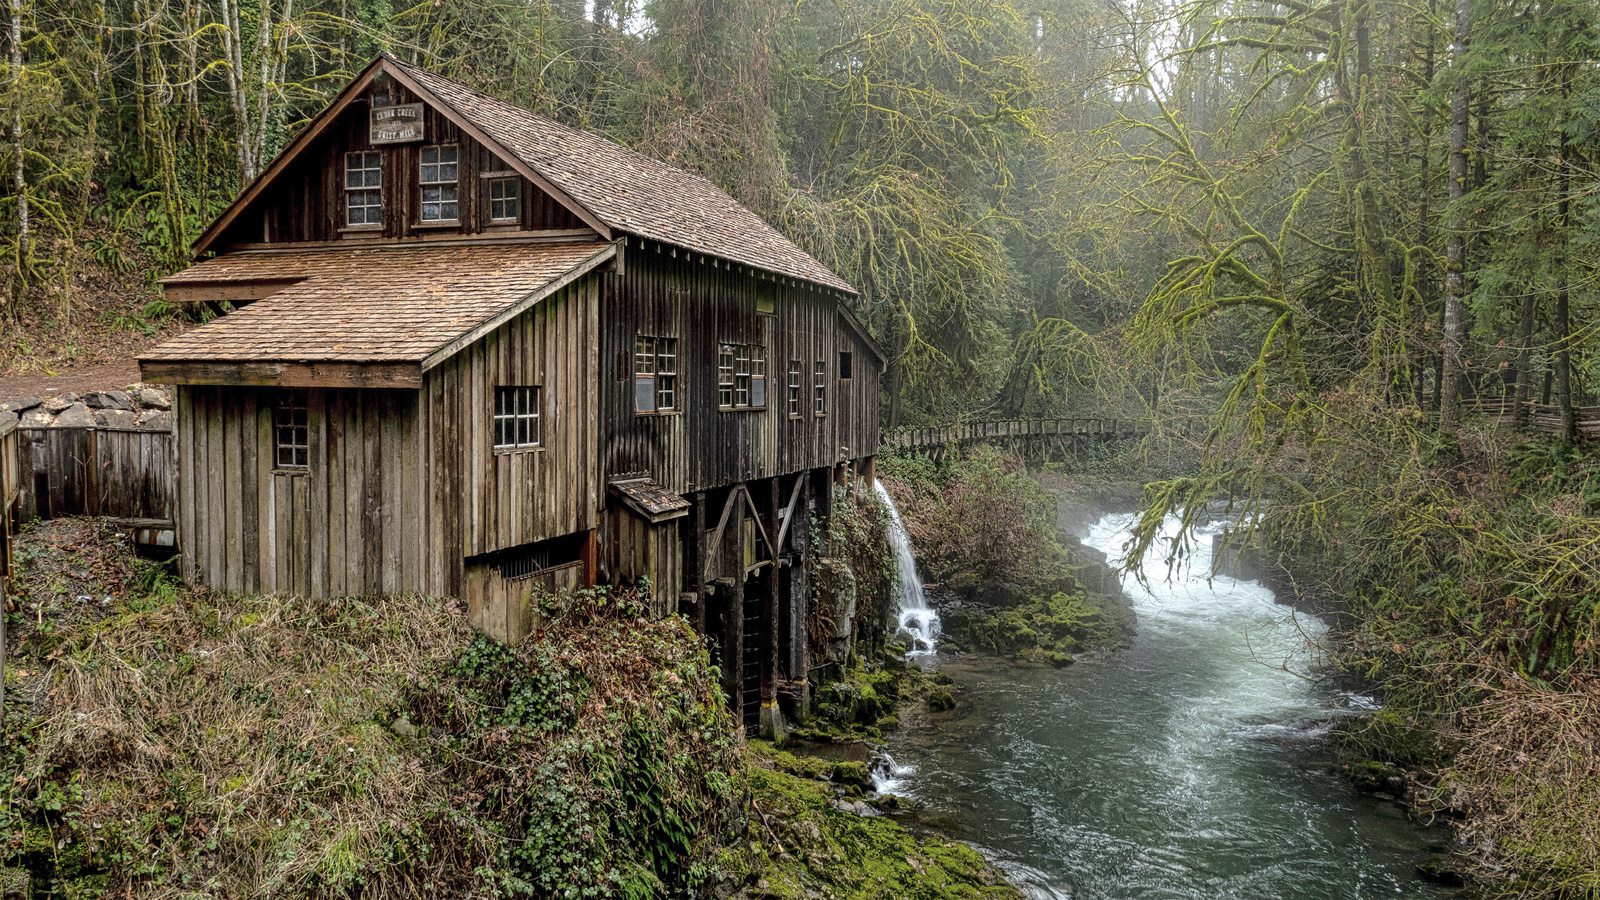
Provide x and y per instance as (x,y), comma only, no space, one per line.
(480,500)
(633,549)
(307,201)
(507,609)
(10,495)
(349,524)
(670,293)
(122,473)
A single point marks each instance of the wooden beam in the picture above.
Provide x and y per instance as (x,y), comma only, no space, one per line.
(762,529)
(788,512)
(225,291)
(283,374)
(714,555)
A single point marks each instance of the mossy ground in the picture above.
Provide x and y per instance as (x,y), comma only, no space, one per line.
(801,847)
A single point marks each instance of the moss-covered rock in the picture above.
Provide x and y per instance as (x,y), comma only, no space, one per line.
(801,846)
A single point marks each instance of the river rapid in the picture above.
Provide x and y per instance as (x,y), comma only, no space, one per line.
(1192,765)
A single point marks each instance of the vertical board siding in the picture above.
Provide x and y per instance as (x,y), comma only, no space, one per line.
(480,501)
(670,293)
(336,528)
(116,472)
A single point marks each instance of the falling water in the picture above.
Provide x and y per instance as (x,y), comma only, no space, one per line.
(917,618)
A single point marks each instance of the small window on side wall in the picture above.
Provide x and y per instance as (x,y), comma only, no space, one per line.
(819,389)
(741,376)
(794,388)
(846,363)
(655,374)
(516,418)
(290,431)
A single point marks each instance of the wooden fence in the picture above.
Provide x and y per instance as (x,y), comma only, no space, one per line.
(10,488)
(123,474)
(1542,416)
(1063,432)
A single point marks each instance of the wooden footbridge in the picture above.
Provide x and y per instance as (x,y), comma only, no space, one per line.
(1034,439)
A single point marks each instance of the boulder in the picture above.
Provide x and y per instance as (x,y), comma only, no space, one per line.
(108,400)
(7,419)
(155,420)
(116,418)
(23,405)
(54,405)
(154,398)
(75,416)
(36,418)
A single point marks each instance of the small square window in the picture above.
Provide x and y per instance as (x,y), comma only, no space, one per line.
(290,431)
(505,199)
(516,418)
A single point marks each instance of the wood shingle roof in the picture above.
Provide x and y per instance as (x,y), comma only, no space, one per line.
(383,304)
(629,191)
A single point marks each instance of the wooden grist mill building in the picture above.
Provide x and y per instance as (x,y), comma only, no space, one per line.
(468,351)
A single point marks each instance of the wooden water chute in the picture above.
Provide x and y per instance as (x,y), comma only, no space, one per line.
(465,350)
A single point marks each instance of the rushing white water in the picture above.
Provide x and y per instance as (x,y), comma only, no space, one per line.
(1190,766)
(916,617)
(888,776)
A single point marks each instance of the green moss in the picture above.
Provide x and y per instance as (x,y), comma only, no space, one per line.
(801,847)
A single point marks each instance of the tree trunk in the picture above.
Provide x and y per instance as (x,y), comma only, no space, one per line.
(19,181)
(1455,320)
(1563,324)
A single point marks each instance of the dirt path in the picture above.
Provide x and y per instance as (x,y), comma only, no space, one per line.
(110,376)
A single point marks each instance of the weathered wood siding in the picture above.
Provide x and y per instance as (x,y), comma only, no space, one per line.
(10,493)
(633,549)
(665,292)
(306,202)
(349,524)
(479,500)
(508,608)
(117,472)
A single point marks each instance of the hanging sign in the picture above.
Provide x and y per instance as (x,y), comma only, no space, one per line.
(395,124)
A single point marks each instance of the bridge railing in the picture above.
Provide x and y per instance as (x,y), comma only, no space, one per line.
(1003,429)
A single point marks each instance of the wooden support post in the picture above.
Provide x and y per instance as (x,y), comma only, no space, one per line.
(769,616)
(701,592)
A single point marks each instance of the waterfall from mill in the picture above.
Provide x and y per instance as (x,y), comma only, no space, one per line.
(916,617)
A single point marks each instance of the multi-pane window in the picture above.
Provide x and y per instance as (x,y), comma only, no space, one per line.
(438,171)
(794,388)
(741,376)
(363,188)
(505,199)
(819,389)
(516,418)
(289,431)
(655,374)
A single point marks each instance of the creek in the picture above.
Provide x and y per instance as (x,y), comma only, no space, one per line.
(1194,764)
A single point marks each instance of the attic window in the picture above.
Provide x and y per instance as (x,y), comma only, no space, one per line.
(846,363)
(437,174)
(363,188)
(505,199)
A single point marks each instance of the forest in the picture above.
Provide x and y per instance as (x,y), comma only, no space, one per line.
(1340,256)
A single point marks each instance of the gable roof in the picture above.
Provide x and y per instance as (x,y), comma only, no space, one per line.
(385,304)
(607,185)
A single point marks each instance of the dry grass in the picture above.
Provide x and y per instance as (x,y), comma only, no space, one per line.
(1529,775)
(237,746)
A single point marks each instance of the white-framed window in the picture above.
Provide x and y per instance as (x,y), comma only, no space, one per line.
(794,388)
(655,374)
(363,188)
(819,389)
(505,199)
(741,376)
(516,418)
(438,172)
(290,431)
